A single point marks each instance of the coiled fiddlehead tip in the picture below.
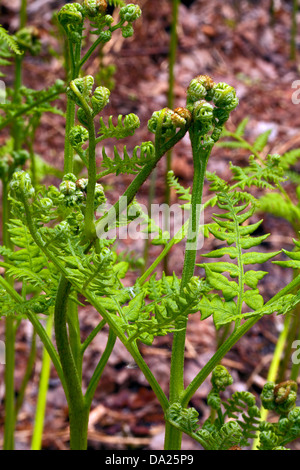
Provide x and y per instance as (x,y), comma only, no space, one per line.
(78,136)
(199,88)
(100,99)
(171,121)
(20,185)
(221,378)
(281,397)
(94,7)
(71,17)
(203,112)
(80,88)
(127,31)
(224,96)
(130,13)
(185,114)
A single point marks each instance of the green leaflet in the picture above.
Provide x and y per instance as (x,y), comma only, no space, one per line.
(262,175)
(230,289)
(182,193)
(127,164)
(118,131)
(9,41)
(236,208)
(135,306)
(156,318)
(261,141)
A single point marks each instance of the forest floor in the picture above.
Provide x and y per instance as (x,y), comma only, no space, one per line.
(231,41)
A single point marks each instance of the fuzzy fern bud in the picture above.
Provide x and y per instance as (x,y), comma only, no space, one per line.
(100,99)
(84,86)
(99,195)
(20,185)
(67,188)
(171,121)
(130,13)
(281,397)
(221,378)
(224,96)
(82,184)
(127,31)
(131,122)
(46,203)
(78,136)
(200,88)
(105,36)
(71,17)
(203,112)
(94,7)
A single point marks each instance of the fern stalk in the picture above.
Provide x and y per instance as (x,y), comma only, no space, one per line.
(78,412)
(36,442)
(9,338)
(200,159)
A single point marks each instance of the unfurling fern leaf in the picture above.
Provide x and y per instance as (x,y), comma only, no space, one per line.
(128,164)
(9,40)
(237,207)
(125,127)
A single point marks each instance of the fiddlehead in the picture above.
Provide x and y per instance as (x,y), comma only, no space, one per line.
(71,17)
(281,397)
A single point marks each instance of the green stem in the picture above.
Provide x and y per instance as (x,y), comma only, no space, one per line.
(293,42)
(70,113)
(78,413)
(40,330)
(36,443)
(89,221)
(69,152)
(200,158)
(23,14)
(27,375)
(74,334)
(170,98)
(91,389)
(17,132)
(10,336)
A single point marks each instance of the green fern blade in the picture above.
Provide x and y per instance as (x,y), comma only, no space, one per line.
(9,40)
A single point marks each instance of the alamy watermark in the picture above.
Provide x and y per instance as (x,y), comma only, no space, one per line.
(162,222)
(2,92)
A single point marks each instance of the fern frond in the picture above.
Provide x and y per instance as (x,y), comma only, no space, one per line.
(237,208)
(185,419)
(275,204)
(182,193)
(258,174)
(9,40)
(157,318)
(124,127)
(128,164)
(241,407)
